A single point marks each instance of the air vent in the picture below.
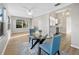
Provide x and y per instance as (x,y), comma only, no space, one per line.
(57,4)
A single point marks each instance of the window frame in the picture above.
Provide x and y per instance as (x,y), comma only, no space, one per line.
(22,23)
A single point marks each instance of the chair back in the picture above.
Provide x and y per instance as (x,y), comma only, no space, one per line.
(31,31)
(55,43)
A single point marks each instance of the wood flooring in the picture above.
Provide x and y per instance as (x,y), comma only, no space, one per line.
(18,38)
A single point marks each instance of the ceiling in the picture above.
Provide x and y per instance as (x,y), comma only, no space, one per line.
(20,9)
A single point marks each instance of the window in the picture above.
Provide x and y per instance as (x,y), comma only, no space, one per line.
(24,24)
(8,22)
(53,21)
(18,23)
(1,22)
(0,15)
(21,24)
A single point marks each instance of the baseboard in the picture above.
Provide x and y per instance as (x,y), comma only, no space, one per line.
(75,46)
(5,47)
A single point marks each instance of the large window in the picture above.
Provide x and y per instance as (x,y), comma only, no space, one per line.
(18,23)
(21,24)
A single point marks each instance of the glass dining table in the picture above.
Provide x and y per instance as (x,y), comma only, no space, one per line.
(39,39)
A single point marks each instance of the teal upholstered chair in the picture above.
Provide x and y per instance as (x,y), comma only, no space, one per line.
(51,48)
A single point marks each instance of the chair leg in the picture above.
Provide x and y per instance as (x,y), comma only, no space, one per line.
(32,42)
(58,52)
(29,40)
(54,53)
(39,51)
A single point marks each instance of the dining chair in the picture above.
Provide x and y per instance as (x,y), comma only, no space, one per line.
(31,31)
(51,48)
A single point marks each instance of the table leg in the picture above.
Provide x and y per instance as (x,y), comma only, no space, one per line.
(42,41)
(35,43)
(39,51)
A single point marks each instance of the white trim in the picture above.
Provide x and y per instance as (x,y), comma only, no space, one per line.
(5,44)
(18,36)
(5,47)
(74,46)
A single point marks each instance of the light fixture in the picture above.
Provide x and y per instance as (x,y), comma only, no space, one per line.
(29,12)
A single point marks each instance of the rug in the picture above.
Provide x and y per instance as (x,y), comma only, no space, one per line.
(24,49)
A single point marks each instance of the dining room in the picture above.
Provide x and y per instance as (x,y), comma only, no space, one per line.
(39,29)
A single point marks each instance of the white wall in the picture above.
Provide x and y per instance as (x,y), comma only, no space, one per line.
(68,25)
(6,36)
(42,22)
(13,25)
(75,25)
